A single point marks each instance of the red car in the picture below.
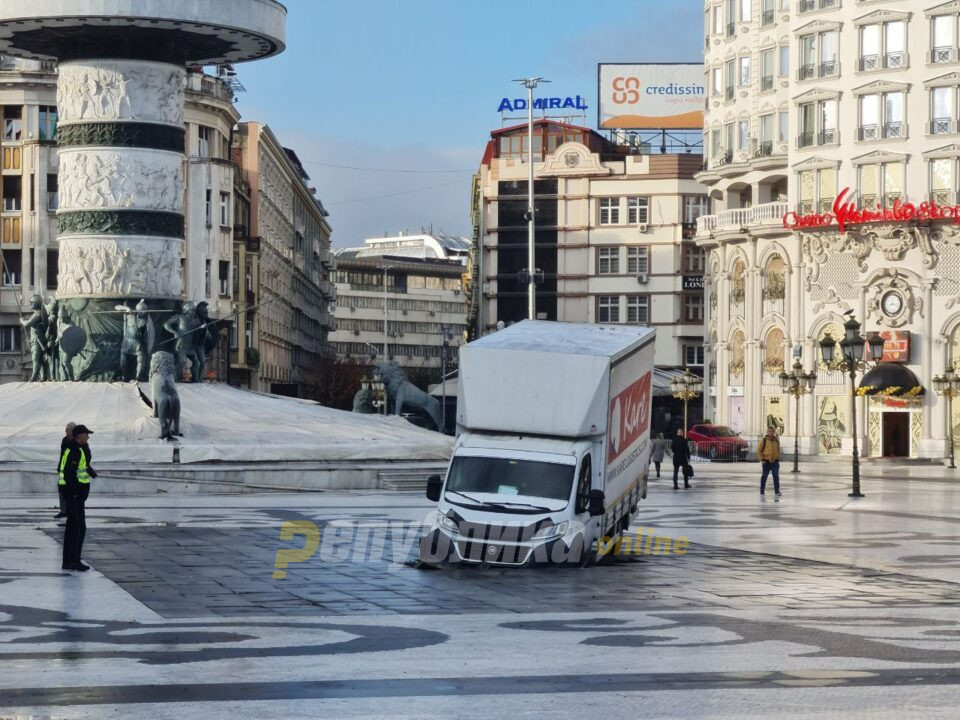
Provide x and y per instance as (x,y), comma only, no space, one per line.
(717,442)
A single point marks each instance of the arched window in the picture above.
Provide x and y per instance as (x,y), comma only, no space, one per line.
(737,358)
(773,356)
(774,285)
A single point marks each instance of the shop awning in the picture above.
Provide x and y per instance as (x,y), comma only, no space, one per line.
(891,380)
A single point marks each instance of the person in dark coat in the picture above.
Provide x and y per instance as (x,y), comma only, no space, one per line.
(66,440)
(659,450)
(77,474)
(681,458)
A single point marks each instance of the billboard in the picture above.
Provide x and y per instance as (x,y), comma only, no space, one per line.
(651,96)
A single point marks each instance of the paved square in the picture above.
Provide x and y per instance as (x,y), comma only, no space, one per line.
(810,606)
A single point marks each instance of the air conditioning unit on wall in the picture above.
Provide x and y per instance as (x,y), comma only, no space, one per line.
(642,227)
(643,279)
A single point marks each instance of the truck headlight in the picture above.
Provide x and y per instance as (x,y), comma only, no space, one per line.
(552,531)
(447,523)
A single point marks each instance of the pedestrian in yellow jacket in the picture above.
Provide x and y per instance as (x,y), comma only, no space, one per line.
(768,453)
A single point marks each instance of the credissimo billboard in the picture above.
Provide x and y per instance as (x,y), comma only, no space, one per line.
(651,96)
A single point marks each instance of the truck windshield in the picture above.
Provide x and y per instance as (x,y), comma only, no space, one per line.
(506,476)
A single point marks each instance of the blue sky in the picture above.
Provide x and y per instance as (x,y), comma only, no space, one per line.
(414,85)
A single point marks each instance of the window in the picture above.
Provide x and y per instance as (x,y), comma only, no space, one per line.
(943,181)
(249,277)
(53,192)
(224,209)
(943,35)
(943,106)
(694,259)
(693,207)
(12,123)
(883,46)
(784,61)
(728,140)
(209,211)
(638,210)
(744,71)
(882,116)
(769,12)
(206,277)
(584,485)
(608,261)
(731,17)
(784,126)
(693,355)
(10,338)
(716,145)
(204,140)
(234,340)
(53,268)
(48,122)
(608,308)
(693,308)
(746,10)
(12,192)
(743,134)
(717,20)
(638,260)
(248,333)
(881,184)
(818,189)
(767,68)
(818,123)
(638,309)
(717,81)
(12,267)
(609,211)
(818,55)
(730,72)
(224,276)
(766,135)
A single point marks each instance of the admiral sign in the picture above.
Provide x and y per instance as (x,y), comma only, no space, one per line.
(553,103)
(629,417)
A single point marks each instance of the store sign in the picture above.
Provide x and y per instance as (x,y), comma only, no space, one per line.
(553,103)
(896,346)
(693,282)
(651,96)
(846,214)
(629,416)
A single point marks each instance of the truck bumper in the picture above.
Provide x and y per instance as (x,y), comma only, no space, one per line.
(440,548)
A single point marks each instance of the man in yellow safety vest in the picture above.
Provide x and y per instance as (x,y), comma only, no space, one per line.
(76,473)
(61,485)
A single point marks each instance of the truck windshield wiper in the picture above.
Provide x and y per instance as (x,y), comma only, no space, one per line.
(528,505)
(468,497)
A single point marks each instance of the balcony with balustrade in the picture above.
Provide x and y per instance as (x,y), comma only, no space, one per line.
(759,220)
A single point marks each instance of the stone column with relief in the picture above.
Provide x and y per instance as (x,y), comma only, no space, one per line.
(121,140)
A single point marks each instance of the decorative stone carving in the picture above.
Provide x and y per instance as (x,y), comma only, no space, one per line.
(121,222)
(119,90)
(120,267)
(831,298)
(123,134)
(894,241)
(573,158)
(121,179)
(883,282)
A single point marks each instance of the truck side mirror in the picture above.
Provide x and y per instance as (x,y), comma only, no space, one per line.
(434,486)
(597,503)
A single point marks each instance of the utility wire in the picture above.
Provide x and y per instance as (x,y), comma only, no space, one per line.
(382,170)
(404,192)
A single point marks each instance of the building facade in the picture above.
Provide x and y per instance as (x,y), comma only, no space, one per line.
(28,223)
(423,309)
(613,236)
(285,296)
(832,148)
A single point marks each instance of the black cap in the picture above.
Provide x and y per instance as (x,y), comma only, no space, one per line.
(80,429)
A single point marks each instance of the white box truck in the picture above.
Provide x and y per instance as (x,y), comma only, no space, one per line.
(553,445)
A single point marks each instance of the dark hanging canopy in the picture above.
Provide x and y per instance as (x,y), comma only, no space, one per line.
(891,380)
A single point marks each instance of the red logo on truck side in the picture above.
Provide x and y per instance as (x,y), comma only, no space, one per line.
(629,417)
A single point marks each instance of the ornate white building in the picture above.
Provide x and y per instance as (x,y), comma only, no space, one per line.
(808,99)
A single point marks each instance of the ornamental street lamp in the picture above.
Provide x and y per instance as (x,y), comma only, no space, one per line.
(797,383)
(851,361)
(948,386)
(686,387)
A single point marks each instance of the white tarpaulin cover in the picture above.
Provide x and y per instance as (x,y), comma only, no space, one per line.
(219,423)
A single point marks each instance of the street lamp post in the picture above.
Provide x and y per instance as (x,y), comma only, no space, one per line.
(530,84)
(686,387)
(797,383)
(948,386)
(851,361)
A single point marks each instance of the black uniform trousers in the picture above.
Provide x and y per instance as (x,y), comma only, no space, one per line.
(76,523)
